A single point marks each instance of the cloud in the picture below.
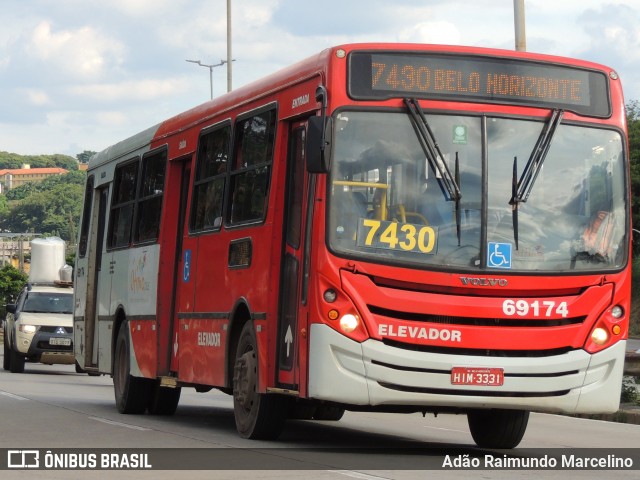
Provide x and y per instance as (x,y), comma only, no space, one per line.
(37,97)
(82,52)
(614,40)
(131,90)
(431,32)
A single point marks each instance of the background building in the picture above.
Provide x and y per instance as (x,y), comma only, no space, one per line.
(16,177)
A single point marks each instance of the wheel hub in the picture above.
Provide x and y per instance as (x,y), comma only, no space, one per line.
(245,379)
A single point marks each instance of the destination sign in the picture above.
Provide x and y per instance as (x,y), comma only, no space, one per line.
(478,79)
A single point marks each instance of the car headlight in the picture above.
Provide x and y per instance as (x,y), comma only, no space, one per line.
(30,329)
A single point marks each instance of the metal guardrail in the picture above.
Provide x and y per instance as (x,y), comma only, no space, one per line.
(632,364)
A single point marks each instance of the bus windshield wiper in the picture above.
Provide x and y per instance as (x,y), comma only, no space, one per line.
(432,150)
(448,183)
(521,188)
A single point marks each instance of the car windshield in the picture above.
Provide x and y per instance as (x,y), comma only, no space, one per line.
(391,198)
(40,302)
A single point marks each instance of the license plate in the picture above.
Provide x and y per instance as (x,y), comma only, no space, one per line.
(60,341)
(488,377)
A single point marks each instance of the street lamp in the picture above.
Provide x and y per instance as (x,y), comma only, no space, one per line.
(210,67)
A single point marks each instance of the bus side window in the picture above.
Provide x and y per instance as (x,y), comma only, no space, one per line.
(122,204)
(210,179)
(150,198)
(86,217)
(250,175)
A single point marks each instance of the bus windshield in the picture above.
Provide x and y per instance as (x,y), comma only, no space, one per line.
(388,201)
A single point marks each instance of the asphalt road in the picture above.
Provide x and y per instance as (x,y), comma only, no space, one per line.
(52,407)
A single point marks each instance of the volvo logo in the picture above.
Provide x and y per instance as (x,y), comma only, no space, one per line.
(484,282)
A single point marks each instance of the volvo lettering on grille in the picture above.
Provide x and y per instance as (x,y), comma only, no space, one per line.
(484,282)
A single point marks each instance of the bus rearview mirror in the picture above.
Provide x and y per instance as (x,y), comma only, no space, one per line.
(318,149)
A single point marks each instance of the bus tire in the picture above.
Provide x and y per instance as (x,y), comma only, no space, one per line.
(79,369)
(302,409)
(330,413)
(132,393)
(498,428)
(257,416)
(163,400)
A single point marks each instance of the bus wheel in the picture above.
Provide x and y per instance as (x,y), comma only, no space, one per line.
(497,428)
(302,409)
(79,369)
(258,416)
(132,393)
(328,413)
(163,400)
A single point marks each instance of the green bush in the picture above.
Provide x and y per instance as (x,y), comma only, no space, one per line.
(630,393)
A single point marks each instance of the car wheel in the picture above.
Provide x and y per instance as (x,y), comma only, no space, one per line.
(16,362)
(6,359)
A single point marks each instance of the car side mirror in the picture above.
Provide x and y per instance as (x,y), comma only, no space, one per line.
(11,308)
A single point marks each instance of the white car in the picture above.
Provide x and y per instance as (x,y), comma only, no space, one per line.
(39,327)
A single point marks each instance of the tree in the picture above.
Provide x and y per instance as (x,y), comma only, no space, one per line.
(12,281)
(633,125)
(85,156)
(13,160)
(51,212)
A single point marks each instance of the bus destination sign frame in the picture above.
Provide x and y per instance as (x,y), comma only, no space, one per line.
(383,75)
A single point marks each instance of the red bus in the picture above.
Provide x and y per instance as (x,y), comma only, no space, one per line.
(381,227)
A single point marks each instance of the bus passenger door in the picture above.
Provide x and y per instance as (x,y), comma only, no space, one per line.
(185,256)
(94,268)
(292,305)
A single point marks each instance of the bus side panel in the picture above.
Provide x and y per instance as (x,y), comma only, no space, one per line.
(139,292)
(202,351)
(144,341)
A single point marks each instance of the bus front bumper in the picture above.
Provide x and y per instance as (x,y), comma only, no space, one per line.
(374,374)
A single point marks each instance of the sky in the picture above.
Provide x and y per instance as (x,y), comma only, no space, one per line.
(80,75)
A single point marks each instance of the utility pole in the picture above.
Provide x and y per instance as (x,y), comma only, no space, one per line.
(229,55)
(519,24)
(210,67)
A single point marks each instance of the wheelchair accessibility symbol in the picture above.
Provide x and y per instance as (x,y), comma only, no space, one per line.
(499,255)
(186,270)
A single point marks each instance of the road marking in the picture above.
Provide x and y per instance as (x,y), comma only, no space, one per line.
(119,424)
(445,429)
(11,395)
(363,476)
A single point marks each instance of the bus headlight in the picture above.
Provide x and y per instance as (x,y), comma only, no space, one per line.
(599,336)
(349,322)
